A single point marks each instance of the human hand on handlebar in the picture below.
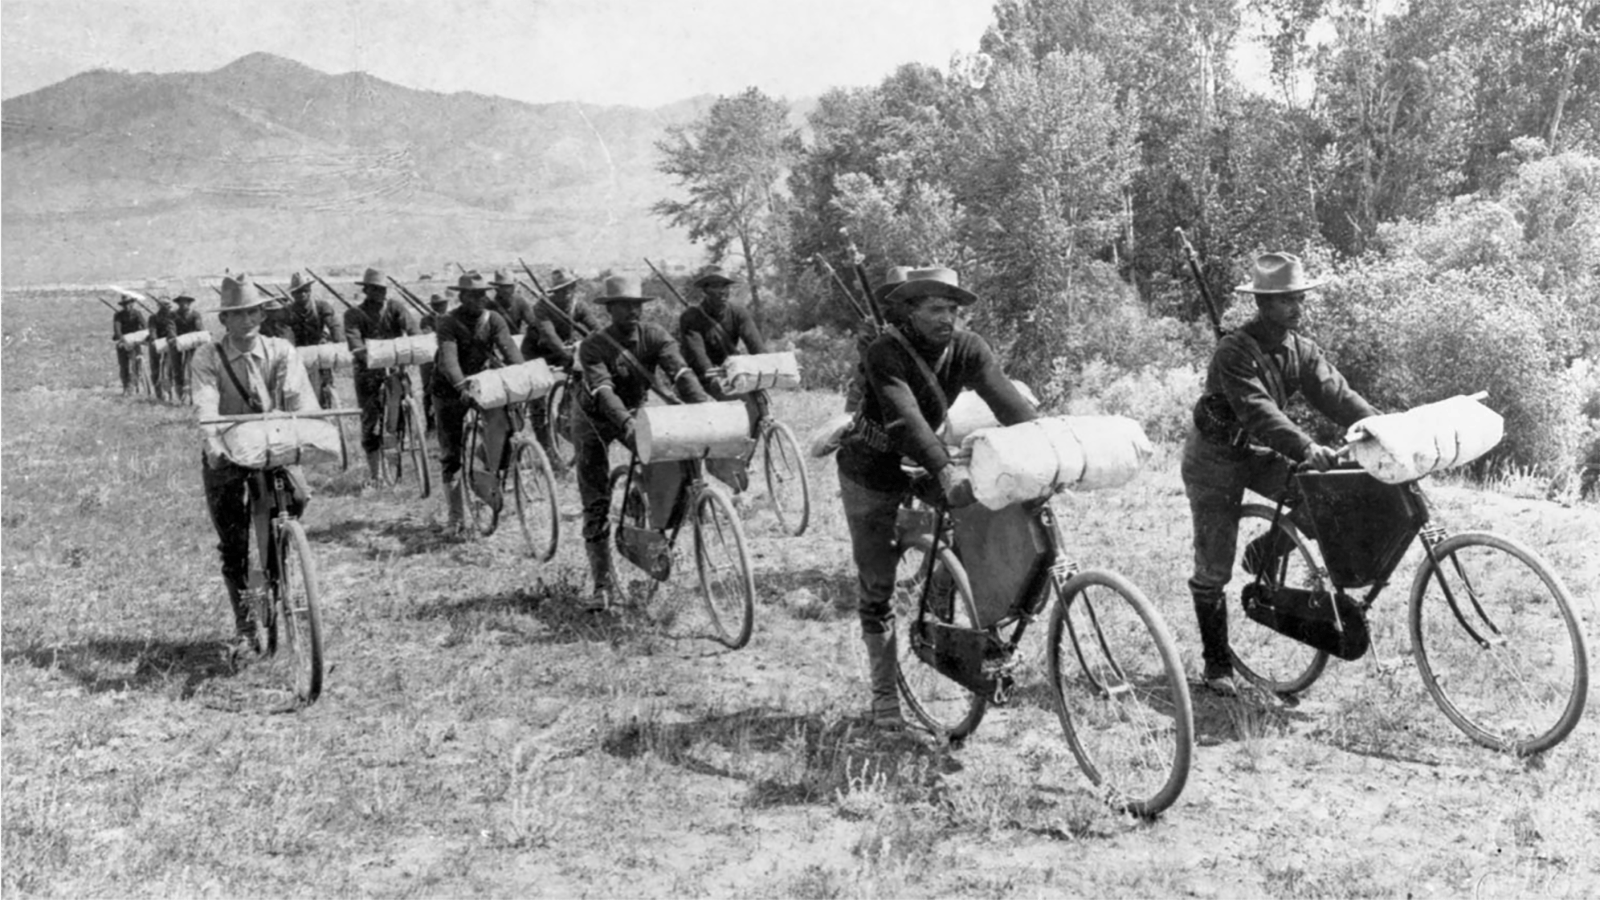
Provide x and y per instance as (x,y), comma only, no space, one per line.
(956,484)
(1322,458)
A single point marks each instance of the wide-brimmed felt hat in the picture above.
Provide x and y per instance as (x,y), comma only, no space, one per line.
(238,293)
(181,299)
(1278,273)
(299,282)
(469,281)
(561,279)
(893,277)
(623,289)
(163,301)
(501,279)
(438,302)
(712,275)
(932,282)
(373,278)
(126,301)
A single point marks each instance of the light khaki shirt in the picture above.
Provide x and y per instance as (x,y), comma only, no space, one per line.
(270,369)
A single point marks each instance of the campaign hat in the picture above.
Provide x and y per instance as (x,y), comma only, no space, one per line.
(126,301)
(936,281)
(238,293)
(470,281)
(712,274)
(299,282)
(893,277)
(373,277)
(1278,273)
(181,299)
(438,302)
(502,279)
(561,279)
(623,289)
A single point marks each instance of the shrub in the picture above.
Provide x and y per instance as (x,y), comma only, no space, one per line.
(828,358)
(1160,399)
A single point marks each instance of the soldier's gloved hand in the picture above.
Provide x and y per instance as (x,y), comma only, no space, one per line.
(1322,458)
(627,434)
(956,483)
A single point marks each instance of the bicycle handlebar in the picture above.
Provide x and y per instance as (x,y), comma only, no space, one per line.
(260,417)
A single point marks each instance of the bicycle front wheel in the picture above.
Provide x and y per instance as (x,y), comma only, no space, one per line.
(1121,693)
(723,565)
(483,517)
(1497,643)
(938,702)
(558,419)
(788,485)
(1268,659)
(295,597)
(414,444)
(534,493)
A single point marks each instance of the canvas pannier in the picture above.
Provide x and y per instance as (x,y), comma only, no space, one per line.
(693,431)
(970,414)
(494,388)
(1035,459)
(411,350)
(325,357)
(135,338)
(268,443)
(186,342)
(761,371)
(1405,446)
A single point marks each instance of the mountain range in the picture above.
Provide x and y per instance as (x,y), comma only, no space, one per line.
(265,165)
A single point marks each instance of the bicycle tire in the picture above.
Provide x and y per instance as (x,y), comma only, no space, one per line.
(558,423)
(1267,659)
(533,490)
(298,609)
(942,705)
(722,563)
(482,518)
(414,444)
(788,484)
(1124,706)
(1508,595)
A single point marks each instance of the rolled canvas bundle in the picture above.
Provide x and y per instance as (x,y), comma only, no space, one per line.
(761,371)
(135,338)
(494,388)
(267,443)
(1402,447)
(319,357)
(692,431)
(1035,459)
(186,342)
(411,350)
(970,414)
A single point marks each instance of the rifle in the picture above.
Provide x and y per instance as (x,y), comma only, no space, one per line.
(534,278)
(670,286)
(217,289)
(622,352)
(1200,281)
(108,304)
(849,296)
(336,295)
(866,285)
(421,308)
(273,292)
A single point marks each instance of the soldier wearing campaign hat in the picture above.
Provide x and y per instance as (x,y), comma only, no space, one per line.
(163,327)
(716,329)
(125,321)
(914,371)
(376,319)
(552,338)
(1243,438)
(615,364)
(308,322)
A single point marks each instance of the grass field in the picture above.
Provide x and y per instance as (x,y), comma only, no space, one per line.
(478,734)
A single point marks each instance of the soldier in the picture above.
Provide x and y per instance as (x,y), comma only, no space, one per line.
(893,277)
(430,324)
(551,339)
(471,338)
(375,319)
(186,321)
(163,327)
(1242,438)
(240,374)
(308,323)
(616,363)
(125,321)
(914,372)
(517,311)
(713,331)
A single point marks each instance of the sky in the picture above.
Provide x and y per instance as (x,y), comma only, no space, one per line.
(630,52)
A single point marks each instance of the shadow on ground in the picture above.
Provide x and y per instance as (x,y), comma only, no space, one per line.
(176,668)
(409,536)
(788,758)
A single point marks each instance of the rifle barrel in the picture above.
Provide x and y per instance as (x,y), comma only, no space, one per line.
(670,286)
(849,296)
(418,305)
(1200,282)
(336,295)
(622,352)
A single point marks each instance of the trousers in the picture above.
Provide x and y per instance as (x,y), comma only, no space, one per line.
(1215,477)
(592,442)
(871,516)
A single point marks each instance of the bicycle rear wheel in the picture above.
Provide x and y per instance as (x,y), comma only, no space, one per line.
(413,441)
(558,419)
(295,598)
(942,705)
(1268,659)
(482,517)
(788,485)
(1121,693)
(1506,661)
(723,565)
(534,493)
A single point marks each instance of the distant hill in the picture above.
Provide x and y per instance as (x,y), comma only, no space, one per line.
(266,164)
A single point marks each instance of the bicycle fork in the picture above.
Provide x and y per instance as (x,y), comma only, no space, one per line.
(1433,535)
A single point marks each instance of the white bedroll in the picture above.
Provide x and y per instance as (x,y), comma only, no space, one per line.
(1038,458)
(186,342)
(970,414)
(1402,447)
(411,350)
(325,357)
(692,431)
(267,443)
(761,371)
(494,388)
(134,338)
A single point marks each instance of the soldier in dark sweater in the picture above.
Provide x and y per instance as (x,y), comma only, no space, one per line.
(125,321)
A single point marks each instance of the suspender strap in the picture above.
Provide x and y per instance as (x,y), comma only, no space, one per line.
(1270,376)
(249,396)
(922,366)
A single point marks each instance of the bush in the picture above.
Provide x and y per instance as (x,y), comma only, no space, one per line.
(1159,399)
(828,358)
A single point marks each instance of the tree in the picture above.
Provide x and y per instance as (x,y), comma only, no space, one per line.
(730,161)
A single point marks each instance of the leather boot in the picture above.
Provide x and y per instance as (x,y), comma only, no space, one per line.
(884,670)
(600,569)
(244,618)
(374,465)
(455,503)
(1211,612)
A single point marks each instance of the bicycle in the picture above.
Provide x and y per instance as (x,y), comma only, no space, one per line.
(525,470)
(138,378)
(558,420)
(1117,682)
(282,581)
(1491,624)
(650,504)
(403,434)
